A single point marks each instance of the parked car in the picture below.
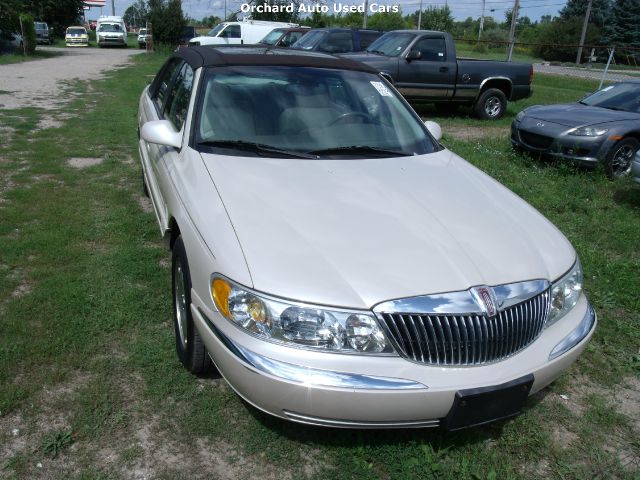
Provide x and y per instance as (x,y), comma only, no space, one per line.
(143,37)
(111,30)
(423,66)
(76,37)
(337,40)
(602,127)
(237,33)
(284,37)
(635,168)
(14,42)
(336,263)
(42,33)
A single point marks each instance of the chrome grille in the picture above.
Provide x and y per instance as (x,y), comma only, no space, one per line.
(460,339)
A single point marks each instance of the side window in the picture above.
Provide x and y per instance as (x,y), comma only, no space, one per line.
(164,83)
(337,42)
(367,38)
(433,49)
(178,98)
(232,31)
(290,38)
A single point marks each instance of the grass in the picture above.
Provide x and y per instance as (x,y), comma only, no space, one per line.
(465,50)
(86,342)
(9,58)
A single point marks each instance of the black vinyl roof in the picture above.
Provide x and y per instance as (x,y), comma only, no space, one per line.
(210,56)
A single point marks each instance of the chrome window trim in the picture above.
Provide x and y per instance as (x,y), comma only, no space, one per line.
(464,301)
(310,377)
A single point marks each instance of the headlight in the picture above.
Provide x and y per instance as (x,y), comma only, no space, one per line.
(306,326)
(520,116)
(565,293)
(588,131)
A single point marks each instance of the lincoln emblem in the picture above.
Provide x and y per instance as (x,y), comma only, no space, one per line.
(484,298)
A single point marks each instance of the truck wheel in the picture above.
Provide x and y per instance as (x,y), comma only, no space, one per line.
(617,163)
(189,345)
(491,104)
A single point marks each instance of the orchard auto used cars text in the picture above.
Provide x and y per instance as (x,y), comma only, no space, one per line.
(317,8)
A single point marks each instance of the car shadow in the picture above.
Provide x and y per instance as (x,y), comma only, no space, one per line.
(628,194)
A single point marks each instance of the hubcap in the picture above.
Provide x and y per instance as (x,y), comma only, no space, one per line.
(181,303)
(492,106)
(621,162)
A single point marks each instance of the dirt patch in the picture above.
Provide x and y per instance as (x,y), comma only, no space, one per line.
(627,398)
(145,204)
(562,437)
(165,263)
(469,133)
(48,122)
(78,162)
(23,288)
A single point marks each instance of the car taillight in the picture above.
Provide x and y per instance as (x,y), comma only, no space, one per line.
(530,74)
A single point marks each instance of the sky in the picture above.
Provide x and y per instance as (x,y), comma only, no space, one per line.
(461,9)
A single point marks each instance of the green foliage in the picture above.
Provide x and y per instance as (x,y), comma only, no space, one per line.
(137,14)
(55,442)
(167,21)
(601,12)
(625,14)
(28,33)
(563,32)
(280,16)
(434,18)
(210,21)
(387,21)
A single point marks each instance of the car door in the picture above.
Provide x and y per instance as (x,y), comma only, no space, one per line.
(430,76)
(232,35)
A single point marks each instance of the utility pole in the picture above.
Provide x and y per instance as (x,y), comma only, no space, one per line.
(113,8)
(420,16)
(366,10)
(583,36)
(512,32)
(481,21)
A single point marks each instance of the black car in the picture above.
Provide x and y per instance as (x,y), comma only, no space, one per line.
(337,40)
(602,127)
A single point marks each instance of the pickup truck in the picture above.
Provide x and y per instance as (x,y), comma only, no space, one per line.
(423,66)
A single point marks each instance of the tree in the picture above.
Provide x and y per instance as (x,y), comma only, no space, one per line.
(600,13)
(287,11)
(387,21)
(167,21)
(563,32)
(59,14)
(434,18)
(137,14)
(624,27)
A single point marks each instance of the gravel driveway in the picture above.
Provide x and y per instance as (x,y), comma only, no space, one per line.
(613,75)
(41,83)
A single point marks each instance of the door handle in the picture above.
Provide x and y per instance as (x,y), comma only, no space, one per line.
(444,69)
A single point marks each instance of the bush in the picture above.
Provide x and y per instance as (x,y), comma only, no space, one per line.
(28,33)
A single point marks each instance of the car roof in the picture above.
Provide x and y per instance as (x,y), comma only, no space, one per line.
(416,31)
(214,56)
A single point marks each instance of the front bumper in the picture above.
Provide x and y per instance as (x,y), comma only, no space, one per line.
(111,41)
(551,139)
(77,42)
(358,391)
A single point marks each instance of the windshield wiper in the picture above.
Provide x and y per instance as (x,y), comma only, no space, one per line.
(359,150)
(617,109)
(253,147)
(377,52)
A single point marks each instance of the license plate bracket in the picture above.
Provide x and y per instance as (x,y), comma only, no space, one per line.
(477,406)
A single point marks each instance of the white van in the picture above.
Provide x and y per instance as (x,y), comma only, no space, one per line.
(235,33)
(111,31)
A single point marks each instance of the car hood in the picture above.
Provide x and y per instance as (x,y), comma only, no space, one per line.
(353,233)
(374,60)
(576,114)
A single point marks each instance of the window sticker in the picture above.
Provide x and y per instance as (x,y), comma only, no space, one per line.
(381,88)
(607,89)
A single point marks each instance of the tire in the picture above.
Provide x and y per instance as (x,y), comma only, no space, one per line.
(491,104)
(189,345)
(617,163)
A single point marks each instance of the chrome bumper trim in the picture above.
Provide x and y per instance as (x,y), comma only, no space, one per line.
(327,422)
(310,377)
(575,337)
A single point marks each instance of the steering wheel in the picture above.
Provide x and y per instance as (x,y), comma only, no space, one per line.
(349,115)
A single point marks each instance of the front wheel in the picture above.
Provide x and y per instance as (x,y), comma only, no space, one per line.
(491,105)
(618,161)
(189,345)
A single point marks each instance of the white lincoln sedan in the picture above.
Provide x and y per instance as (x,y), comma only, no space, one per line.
(335,263)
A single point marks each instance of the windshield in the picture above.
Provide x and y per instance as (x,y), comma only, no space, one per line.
(110,27)
(273,36)
(310,40)
(391,44)
(76,31)
(311,112)
(215,30)
(620,96)
(40,26)
(143,31)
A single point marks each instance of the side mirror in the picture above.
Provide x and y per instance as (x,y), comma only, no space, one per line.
(161,132)
(414,55)
(434,129)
